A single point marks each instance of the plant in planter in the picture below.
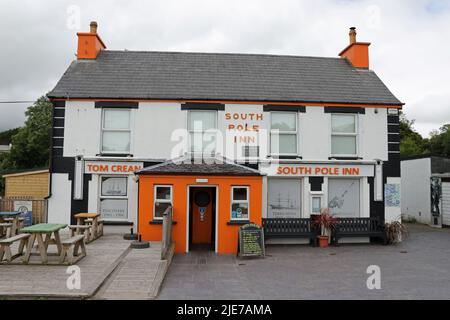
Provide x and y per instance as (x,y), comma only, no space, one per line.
(395,232)
(326,223)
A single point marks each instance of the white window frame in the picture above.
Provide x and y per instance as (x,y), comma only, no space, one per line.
(102,197)
(155,187)
(313,195)
(345,134)
(280,133)
(361,193)
(103,129)
(240,201)
(203,131)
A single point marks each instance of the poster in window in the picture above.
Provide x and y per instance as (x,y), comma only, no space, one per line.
(284,198)
(343,197)
(392,195)
(114,209)
(113,186)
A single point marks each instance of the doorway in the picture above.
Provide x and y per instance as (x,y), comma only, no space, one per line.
(202,218)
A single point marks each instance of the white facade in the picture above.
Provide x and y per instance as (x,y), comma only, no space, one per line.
(153,137)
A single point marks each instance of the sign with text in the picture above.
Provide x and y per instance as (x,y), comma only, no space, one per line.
(319,170)
(26,209)
(109,167)
(251,241)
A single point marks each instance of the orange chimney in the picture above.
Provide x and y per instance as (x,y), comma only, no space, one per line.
(89,43)
(357,53)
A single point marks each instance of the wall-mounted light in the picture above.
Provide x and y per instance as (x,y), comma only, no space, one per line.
(376,111)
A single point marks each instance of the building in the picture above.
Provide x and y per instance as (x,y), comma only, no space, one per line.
(426,189)
(30,184)
(5,148)
(224,138)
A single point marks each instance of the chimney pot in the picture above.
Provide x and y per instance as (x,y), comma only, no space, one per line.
(93,26)
(352,35)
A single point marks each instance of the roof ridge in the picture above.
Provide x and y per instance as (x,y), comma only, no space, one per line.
(222,53)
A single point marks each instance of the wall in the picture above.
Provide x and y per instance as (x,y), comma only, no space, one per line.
(59,203)
(415,189)
(154,123)
(227,235)
(33,185)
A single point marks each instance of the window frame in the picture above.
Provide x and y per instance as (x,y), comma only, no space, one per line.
(155,200)
(207,131)
(102,197)
(360,198)
(232,201)
(103,129)
(345,134)
(287,133)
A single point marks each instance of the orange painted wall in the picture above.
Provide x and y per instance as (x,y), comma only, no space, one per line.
(227,235)
(358,54)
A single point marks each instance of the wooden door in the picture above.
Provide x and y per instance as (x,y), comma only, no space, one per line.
(202,213)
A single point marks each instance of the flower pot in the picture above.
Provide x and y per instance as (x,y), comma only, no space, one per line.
(323,241)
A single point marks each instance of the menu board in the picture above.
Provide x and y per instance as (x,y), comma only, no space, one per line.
(251,241)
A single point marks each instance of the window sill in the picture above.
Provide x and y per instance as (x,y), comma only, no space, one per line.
(237,222)
(156,222)
(121,155)
(345,158)
(286,156)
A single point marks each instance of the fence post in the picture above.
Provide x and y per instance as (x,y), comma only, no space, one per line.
(166,232)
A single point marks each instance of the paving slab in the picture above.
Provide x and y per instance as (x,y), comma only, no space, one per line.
(414,269)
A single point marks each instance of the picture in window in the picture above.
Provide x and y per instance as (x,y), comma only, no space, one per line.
(239,203)
(284,198)
(344,197)
(114,198)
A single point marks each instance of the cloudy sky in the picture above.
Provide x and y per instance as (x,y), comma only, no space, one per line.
(410,40)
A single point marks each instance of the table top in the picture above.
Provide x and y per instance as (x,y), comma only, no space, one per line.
(9,213)
(43,228)
(87,215)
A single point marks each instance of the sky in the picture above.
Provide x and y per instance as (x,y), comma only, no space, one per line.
(410,48)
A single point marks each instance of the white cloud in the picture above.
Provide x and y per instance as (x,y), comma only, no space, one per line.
(410,40)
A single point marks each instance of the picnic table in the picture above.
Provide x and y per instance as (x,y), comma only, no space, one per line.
(15,220)
(37,232)
(81,220)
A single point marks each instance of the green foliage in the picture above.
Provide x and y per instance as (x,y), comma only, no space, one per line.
(6,136)
(439,142)
(411,142)
(31,145)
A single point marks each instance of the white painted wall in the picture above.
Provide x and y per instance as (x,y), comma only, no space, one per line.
(59,203)
(154,123)
(415,189)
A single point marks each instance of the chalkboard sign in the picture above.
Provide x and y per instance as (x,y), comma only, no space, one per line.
(251,241)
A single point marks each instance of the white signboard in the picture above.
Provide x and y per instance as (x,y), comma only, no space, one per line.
(110,167)
(114,209)
(23,205)
(318,170)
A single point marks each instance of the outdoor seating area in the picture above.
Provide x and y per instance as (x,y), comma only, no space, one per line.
(34,241)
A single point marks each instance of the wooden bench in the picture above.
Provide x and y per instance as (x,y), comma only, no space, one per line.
(8,227)
(5,246)
(70,249)
(83,229)
(289,228)
(100,228)
(358,228)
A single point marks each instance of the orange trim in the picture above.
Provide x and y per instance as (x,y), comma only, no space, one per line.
(315,104)
(357,54)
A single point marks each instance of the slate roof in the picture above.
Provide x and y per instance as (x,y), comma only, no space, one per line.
(213,167)
(221,76)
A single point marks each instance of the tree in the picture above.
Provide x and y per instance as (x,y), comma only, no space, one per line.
(31,145)
(6,136)
(439,142)
(411,142)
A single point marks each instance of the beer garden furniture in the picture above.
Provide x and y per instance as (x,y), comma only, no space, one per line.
(5,246)
(37,232)
(11,217)
(90,219)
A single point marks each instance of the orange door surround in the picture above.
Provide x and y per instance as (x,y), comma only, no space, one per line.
(202,211)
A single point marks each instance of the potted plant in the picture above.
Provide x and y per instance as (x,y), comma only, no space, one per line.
(326,223)
(395,232)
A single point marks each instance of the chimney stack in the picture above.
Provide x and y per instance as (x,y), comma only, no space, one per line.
(93,26)
(352,35)
(89,43)
(357,53)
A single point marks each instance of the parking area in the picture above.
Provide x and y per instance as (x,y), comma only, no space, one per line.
(416,269)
